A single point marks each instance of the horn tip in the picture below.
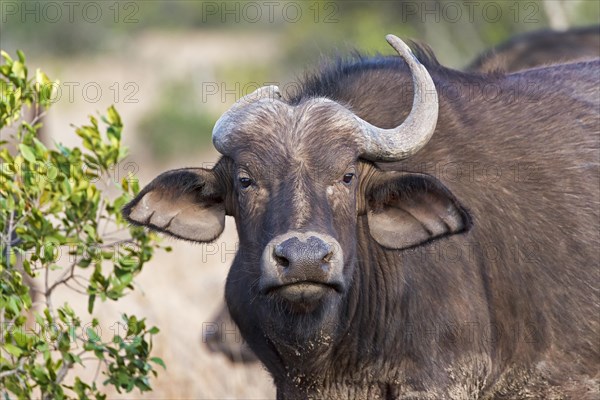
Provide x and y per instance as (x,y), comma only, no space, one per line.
(394,41)
(391,38)
(399,45)
(273,92)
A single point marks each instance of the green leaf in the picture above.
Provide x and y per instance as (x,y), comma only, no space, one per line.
(6,57)
(126,279)
(113,117)
(27,153)
(91,301)
(92,335)
(18,68)
(21,56)
(12,349)
(21,338)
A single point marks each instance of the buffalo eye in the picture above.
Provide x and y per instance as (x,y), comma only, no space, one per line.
(347,179)
(245,182)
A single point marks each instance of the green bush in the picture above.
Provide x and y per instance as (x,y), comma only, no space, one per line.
(55,210)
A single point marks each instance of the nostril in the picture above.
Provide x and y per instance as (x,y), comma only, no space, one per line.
(328,257)
(284,262)
(280,258)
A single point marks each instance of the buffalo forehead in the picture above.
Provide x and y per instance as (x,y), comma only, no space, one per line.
(313,138)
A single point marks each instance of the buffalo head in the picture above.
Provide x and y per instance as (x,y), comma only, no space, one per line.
(302,184)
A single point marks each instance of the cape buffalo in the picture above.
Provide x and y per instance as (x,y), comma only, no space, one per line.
(546,46)
(407,230)
(528,50)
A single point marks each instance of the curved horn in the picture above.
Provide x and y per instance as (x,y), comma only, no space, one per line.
(414,133)
(222,128)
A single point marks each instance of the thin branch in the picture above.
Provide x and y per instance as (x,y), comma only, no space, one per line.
(15,371)
(120,230)
(8,238)
(98,369)
(115,243)
(62,372)
(38,117)
(76,279)
(66,275)
(48,292)
(76,290)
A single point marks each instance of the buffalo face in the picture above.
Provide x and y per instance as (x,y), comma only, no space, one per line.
(297,224)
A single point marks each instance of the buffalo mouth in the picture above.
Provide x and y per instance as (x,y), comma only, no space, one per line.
(303,296)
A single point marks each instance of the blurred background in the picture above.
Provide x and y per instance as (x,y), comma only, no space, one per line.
(172,67)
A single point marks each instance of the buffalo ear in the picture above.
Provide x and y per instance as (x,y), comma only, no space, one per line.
(406,210)
(185,203)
